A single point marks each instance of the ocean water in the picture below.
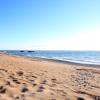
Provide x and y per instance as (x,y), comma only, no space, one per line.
(85,57)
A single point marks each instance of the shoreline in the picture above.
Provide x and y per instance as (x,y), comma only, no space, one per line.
(59,61)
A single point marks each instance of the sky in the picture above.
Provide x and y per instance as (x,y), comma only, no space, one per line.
(50,24)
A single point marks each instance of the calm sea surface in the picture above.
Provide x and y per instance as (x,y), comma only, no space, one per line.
(86,57)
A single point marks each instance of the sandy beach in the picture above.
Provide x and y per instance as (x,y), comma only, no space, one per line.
(24,78)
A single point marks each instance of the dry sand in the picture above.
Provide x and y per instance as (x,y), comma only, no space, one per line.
(23,78)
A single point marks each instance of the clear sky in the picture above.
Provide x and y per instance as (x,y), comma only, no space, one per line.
(50,24)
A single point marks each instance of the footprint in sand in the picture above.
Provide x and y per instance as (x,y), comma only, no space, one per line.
(2,89)
(8,83)
(53,79)
(24,89)
(20,73)
(16,81)
(40,88)
(3,73)
(18,97)
(80,98)
(34,76)
(3,70)
(34,84)
(44,82)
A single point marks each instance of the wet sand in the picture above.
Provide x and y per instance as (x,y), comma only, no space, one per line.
(24,78)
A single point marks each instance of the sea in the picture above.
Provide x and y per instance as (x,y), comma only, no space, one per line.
(83,57)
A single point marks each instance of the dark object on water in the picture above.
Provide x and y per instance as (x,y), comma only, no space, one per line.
(79,98)
(30,51)
(21,51)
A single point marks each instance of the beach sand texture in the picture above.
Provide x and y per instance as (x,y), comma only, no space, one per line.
(23,78)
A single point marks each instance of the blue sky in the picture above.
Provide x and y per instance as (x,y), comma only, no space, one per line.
(50,24)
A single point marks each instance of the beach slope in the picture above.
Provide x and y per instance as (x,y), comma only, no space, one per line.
(24,78)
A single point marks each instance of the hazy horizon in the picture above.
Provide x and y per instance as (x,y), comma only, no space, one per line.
(49,24)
